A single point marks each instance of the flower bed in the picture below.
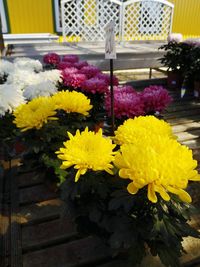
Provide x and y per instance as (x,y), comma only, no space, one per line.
(130,188)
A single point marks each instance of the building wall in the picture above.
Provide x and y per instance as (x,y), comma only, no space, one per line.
(30,16)
(187,17)
(35,16)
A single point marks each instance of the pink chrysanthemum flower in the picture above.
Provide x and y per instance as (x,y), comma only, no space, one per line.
(127,103)
(79,65)
(95,85)
(74,80)
(51,58)
(90,71)
(106,78)
(68,71)
(70,58)
(64,65)
(155,98)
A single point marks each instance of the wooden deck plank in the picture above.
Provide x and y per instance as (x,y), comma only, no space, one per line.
(48,233)
(36,194)
(41,212)
(74,254)
(184,136)
(29,179)
(186,127)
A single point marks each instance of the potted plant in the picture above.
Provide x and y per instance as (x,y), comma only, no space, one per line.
(194,71)
(123,190)
(176,60)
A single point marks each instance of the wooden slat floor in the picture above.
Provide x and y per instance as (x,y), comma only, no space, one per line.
(35,232)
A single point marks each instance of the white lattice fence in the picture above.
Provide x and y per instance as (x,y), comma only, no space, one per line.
(85,20)
(146,20)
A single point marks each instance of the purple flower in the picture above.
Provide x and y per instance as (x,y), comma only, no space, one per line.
(79,65)
(155,98)
(106,78)
(74,80)
(90,71)
(95,85)
(127,103)
(64,65)
(70,58)
(51,58)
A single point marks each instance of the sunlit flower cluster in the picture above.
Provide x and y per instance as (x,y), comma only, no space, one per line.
(51,58)
(34,114)
(140,127)
(161,164)
(72,102)
(75,80)
(6,67)
(87,151)
(95,85)
(40,110)
(155,98)
(127,103)
(45,88)
(28,64)
(90,71)
(10,98)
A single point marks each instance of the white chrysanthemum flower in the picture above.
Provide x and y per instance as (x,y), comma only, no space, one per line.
(52,75)
(6,67)
(175,37)
(28,64)
(22,78)
(10,98)
(45,88)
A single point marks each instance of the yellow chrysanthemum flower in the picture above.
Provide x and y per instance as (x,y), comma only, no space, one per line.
(161,164)
(87,150)
(34,114)
(72,102)
(133,129)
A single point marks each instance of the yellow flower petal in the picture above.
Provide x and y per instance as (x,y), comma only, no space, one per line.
(151,193)
(132,189)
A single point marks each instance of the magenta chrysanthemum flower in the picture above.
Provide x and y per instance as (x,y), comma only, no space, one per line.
(106,78)
(95,85)
(68,71)
(64,65)
(155,98)
(79,65)
(51,58)
(127,103)
(90,71)
(70,58)
(74,80)
(128,89)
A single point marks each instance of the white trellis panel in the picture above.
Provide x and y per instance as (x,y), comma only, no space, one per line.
(146,19)
(85,20)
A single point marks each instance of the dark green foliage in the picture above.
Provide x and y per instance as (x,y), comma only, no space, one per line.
(177,57)
(101,205)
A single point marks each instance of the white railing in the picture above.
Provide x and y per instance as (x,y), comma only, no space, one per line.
(85,20)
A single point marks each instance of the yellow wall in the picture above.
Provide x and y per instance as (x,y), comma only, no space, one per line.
(30,16)
(187,17)
(34,16)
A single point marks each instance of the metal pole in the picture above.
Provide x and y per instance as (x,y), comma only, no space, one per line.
(112,98)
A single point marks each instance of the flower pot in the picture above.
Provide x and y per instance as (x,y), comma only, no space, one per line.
(174,80)
(197,89)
